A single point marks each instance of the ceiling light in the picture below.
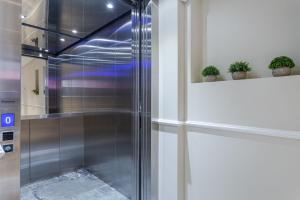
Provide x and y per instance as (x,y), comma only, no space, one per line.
(62,39)
(46,50)
(74,31)
(40,55)
(110,5)
(22,16)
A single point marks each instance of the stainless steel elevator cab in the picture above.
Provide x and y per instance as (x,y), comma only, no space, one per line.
(97,95)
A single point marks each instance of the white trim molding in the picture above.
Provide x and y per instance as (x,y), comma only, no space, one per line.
(208,127)
(167,122)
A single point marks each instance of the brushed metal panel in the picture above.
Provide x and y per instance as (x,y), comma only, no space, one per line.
(44,148)
(25,152)
(109,86)
(71,143)
(100,157)
(10,163)
(71,90)
(10,51)
(102,72)
(10,9)
(10,176)
(10,59)
(124,147)
(53,85)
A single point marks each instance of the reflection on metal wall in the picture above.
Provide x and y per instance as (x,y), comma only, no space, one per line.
(51,146)
(25,153)
(44,148)
(71,143)
(46,22)
(98,76)
(90,76)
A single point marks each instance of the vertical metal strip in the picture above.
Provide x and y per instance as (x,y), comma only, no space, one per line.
(146,50)
(142,60)
(136,101)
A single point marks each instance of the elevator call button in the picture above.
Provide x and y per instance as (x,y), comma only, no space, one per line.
(7,136)
(8,148)
(8,120)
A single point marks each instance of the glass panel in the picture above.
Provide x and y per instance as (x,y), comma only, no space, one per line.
(33,86)
(78,18)
(41,40)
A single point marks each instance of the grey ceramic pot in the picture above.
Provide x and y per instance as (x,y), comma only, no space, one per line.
(284,71)
(239,75)
(211,78)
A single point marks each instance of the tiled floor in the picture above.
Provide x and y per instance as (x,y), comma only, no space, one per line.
(80,185)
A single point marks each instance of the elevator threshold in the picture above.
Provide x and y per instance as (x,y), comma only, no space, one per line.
(79,185)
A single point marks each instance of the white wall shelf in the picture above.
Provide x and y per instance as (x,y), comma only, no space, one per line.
(221,81)
(223,32)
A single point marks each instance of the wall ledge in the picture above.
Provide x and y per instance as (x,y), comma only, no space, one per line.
(168,122)
(208,127)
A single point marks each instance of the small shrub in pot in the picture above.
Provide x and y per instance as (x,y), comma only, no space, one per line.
(210,73)
(239,70)
(282,66)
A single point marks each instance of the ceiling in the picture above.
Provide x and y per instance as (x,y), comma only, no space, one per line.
(57,24)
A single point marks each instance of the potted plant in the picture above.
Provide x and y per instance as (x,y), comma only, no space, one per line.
(239,70)
(282,66)
(210,74)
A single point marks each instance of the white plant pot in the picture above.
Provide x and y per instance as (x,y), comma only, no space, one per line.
(239,75)
(284,71)
(211,78)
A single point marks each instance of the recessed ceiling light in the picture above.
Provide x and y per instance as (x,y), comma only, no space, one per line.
(110,5)
(62,39)
(74,31)
(22,16)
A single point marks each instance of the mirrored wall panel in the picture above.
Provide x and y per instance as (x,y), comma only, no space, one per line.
(34,72)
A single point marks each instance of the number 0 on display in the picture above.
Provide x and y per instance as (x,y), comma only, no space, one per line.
(8,120)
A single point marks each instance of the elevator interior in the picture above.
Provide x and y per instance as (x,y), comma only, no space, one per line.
(81,99)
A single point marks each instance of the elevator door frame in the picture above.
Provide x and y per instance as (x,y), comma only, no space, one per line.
(142,60)
(142,140)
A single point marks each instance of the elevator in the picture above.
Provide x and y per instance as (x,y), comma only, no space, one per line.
(75,99)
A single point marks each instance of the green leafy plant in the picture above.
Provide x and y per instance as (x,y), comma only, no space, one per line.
(240,66)
(210,71)
(282,61)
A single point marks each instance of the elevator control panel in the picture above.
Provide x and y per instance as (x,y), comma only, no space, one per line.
(7,122)
(9,127)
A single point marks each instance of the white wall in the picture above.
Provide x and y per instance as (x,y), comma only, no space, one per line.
(236,167)
(234,141)
(168,59)
(166,105)
(266,103)
(251,30)
(168,163)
